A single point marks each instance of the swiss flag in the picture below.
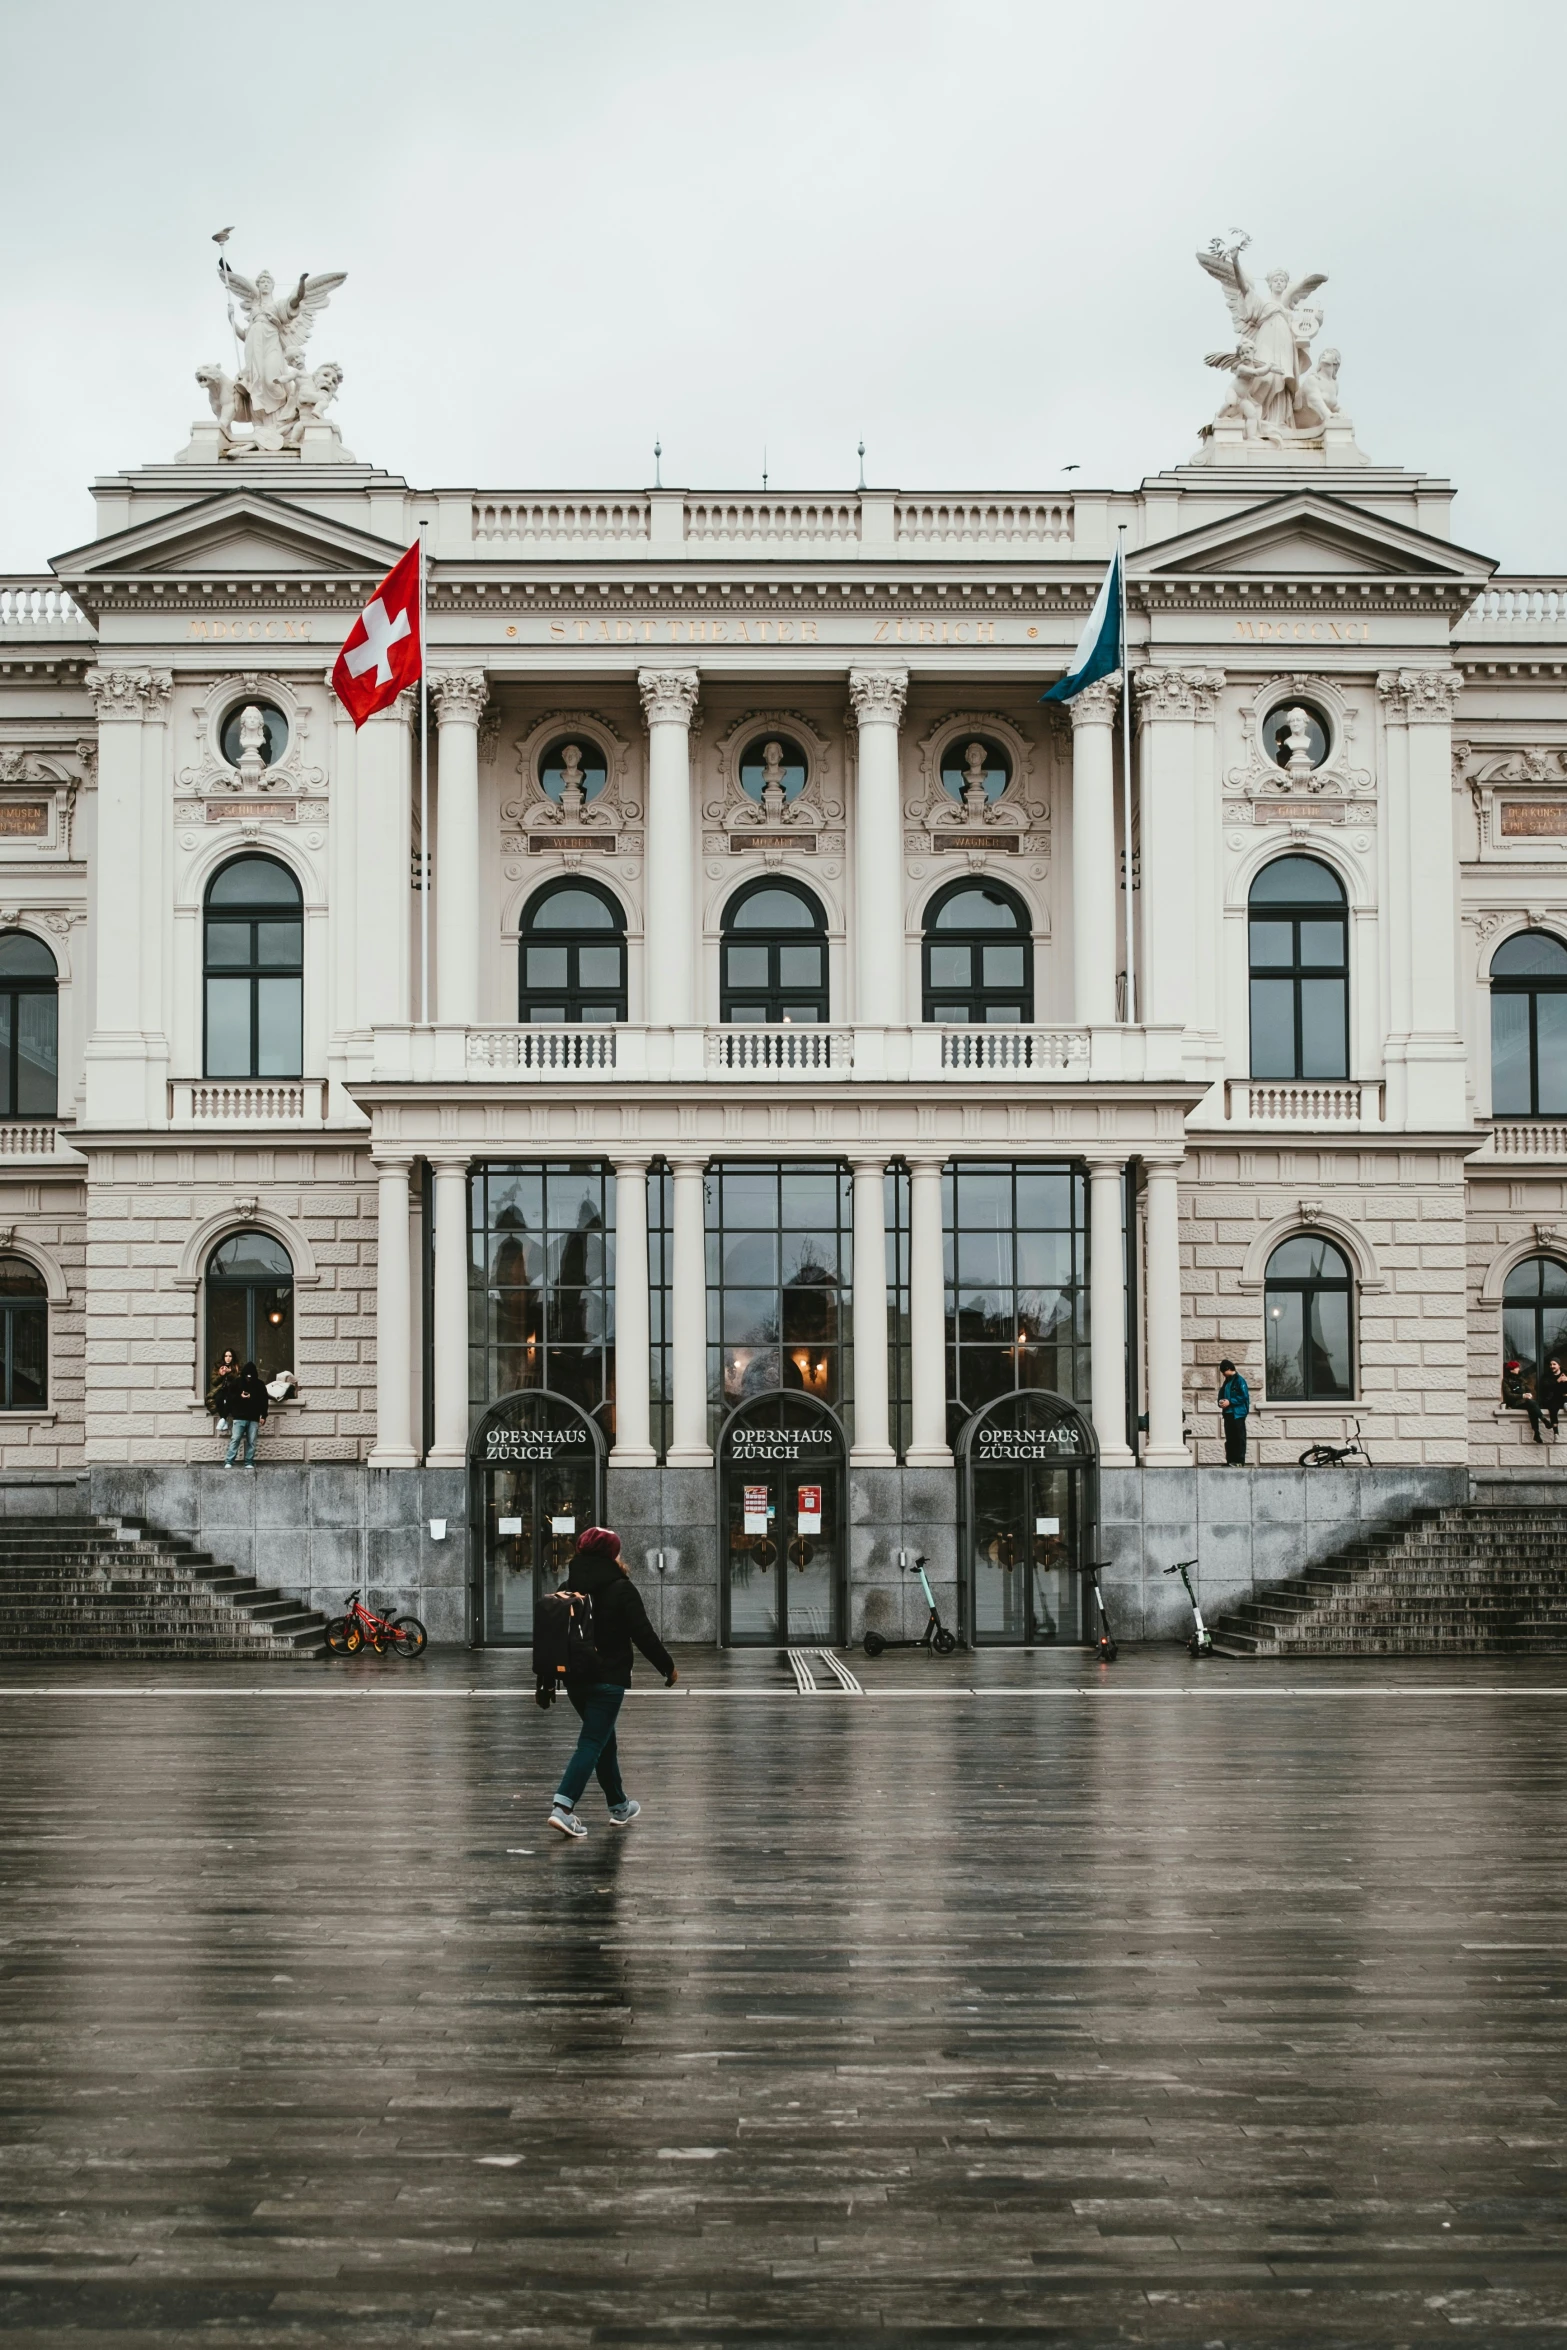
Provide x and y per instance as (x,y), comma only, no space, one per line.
(382,652)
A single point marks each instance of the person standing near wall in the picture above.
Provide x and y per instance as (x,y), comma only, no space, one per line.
(243,1401)
(1235,1411)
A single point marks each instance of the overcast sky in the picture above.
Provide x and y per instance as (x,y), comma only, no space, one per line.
(961,228)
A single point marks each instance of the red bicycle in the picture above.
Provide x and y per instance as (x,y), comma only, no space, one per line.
(361,1628)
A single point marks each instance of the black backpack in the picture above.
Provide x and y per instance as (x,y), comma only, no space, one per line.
(563,1642)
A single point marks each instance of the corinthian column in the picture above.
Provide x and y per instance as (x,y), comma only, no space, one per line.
(876,697)
(394,1444)
(127,873)
(450,1448)
(1176,886)
(1094,891)
(459,696)
(1166,1447)
(669,943)
(1424,1047)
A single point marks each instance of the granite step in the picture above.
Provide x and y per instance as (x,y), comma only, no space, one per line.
(113,1588)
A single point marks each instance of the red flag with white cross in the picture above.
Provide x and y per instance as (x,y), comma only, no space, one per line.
(383,651)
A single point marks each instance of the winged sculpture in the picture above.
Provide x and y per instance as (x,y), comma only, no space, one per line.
(274,391)
(1280,392)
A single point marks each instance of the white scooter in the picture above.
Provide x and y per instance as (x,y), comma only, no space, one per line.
(1201,1640)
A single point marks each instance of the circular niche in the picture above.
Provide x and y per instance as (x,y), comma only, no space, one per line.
(1295,736)
(240,736)
(571,766)
(773,770)
(975,769)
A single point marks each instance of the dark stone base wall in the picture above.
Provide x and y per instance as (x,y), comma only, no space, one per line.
(317,1532)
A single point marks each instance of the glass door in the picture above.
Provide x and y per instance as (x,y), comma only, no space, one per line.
(1023,1552)
(783,1554)
(533,1513)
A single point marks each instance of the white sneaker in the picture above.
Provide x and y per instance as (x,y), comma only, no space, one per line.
(562,1817)
(621,1815)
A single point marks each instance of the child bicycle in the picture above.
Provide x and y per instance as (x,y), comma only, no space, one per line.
(361,1628)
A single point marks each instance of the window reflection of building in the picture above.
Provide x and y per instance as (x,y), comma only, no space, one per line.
(1017,1282)
(779,1271)
(542,1283)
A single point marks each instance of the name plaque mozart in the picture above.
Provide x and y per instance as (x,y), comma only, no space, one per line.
(1530,819)
(24,819)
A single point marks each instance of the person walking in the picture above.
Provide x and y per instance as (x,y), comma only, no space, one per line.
(1234,1410)
(243,1402)
(619,1621)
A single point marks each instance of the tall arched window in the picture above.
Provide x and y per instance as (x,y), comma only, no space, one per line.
(1299,929)
(572,966)
(29,1028)
(774,955)
(255,940)
(1529,1027)
(24,1337)
(250,1302)
(979,955)
(1306,1320)
(1534,1314)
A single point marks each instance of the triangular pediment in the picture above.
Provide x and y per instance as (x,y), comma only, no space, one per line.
(1309,535)
(238,533)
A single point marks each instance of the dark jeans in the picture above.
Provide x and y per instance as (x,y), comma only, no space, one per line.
(1234,1441)
(243,1434)
(595,1749)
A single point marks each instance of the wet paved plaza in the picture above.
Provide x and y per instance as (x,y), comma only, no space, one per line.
(1009,2003)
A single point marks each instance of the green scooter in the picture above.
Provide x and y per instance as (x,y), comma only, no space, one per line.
(935,1636)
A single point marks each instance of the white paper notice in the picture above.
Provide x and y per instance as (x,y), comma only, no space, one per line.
(755,1509)
(508,1526)
(1047,1525)
(563,1525)
(809,1504)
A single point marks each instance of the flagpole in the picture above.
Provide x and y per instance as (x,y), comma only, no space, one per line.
(1126,776)
(424,799)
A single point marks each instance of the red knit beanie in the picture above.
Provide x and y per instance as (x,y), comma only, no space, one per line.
(596,1541)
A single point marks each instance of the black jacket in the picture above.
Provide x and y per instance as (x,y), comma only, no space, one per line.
(619,1618)
(240,1398)
(1550,1393)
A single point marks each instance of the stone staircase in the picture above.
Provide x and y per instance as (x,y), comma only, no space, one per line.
(103,1587)
(1483,1578)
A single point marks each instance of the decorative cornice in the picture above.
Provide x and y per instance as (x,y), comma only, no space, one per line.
(668,695)
(878,694)
(1420,697)
(459,695)
(1097,704)
(1177,693)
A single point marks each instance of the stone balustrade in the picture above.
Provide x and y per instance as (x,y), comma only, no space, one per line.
(40,608)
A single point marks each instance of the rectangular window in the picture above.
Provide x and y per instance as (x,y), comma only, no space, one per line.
(228,1028)
(779,1270)
(1016,1244)
(1510,1054)
(541,1283)
(895,1215)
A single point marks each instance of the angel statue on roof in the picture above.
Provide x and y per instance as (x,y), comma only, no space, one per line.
(1277,388)
(273,390)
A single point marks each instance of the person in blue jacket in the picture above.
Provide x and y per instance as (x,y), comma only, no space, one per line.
(1234,1410)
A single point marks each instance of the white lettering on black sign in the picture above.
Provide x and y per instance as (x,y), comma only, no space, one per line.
(1018,1444)
(531,1444)
(777,1444)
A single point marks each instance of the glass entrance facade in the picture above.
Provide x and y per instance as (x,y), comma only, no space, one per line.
(536,1467)
(1017,1282)
(542,1283)
(1030,1511)
(782,1525)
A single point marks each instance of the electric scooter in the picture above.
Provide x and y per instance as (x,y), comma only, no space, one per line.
(935,1636)
(1104,1647)
(1201,1641)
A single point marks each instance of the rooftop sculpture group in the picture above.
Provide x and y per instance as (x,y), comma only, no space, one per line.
(1283,399)
(274,404)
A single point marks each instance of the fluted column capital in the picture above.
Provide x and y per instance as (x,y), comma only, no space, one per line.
(1420,697)
(459,695)
(668,695)
(1098,703)
(1177,693)
(878,693)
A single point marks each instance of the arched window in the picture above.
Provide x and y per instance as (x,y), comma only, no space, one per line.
(774,955)
(255,941)
(572,965)
(1299,971)
(1306,1319)
(1534,1315)
(979,955)
(24,1317)
(1529,1027)
(29,1028)
(250,1302)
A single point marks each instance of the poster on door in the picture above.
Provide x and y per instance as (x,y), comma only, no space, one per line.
(809,1505)
(756,1509)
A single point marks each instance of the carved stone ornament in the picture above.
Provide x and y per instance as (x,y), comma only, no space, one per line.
(129,693)
(730,806)
(210,771)
(1282,401)
(45,779)
(274,405)
(1098,704)
(669,696)
(1537,772)
(1420,697)
(1260,777)
(1023,806)
(1176,693)
(878,694)
(615,812)
(459,695)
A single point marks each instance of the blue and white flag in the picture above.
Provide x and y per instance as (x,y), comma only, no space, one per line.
(1099,646)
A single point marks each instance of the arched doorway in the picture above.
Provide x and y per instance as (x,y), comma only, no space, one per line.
(782,1523)
(536,1481)
(1030,1474)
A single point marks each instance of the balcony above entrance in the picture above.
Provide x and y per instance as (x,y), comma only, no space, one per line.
(631,1054)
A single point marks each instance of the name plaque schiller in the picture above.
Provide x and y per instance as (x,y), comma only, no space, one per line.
(750,1443)
(24,820)
(1529,819)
